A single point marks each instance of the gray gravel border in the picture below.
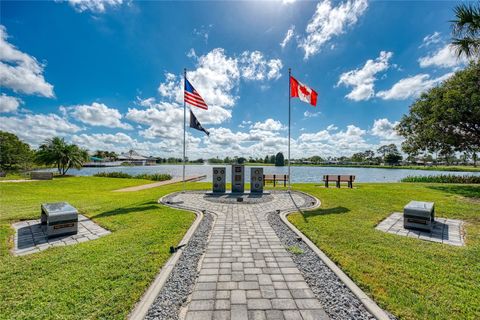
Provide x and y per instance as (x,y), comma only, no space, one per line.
(337,299)
(181,281)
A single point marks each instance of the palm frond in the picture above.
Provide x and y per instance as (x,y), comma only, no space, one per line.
(466,30)
(469,47)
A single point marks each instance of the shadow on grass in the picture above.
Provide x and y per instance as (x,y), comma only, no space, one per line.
(150,205)
(464,191)
(323,212)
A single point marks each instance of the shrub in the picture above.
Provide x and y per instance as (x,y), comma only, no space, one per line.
(154,177)
(449,178)
(113,175)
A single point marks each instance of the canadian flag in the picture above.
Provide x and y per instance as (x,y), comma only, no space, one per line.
(304,93)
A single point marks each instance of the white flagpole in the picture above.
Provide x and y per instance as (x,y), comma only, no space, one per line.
(289,116)
(184,121)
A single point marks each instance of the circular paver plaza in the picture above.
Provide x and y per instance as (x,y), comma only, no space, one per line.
(246,272)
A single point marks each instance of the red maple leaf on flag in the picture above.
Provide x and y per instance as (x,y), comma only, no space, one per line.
(299,90)
(304,90)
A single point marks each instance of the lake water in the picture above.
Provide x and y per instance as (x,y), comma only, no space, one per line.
(299,174)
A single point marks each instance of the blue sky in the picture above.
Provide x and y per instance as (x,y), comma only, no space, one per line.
(107,74)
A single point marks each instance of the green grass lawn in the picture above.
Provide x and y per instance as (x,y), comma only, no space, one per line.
(100,279)
(410,278)
(103,279)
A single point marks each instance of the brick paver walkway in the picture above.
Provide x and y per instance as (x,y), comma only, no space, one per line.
(246,273)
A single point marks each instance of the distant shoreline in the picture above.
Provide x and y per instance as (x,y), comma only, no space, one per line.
(409,167)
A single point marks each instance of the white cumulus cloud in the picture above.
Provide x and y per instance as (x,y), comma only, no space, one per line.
(385,130)
(412,87)
(21,72)
(35,128)
(362,80)
(98,114)
(329,21)
(268,125)
(9,104)
(164,120)
(254,66)
(444,57)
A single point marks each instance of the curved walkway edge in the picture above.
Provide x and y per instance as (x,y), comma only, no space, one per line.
(369,304)
(142,307)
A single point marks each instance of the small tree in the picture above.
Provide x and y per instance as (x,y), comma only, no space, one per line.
(368,155)
(14,153)
(241,160)
(65,156)
(316,159)
(393,158)
(279,160)
(358,157)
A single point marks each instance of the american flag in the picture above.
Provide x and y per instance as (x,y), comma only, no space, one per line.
(192,97)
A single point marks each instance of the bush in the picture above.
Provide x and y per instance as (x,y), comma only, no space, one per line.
(154,177)
(113,175)
(443,179)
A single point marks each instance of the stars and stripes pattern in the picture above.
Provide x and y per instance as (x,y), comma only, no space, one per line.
(192,97)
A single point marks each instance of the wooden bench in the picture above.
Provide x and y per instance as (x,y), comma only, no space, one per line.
(338,179)
(275,178)
(36,175)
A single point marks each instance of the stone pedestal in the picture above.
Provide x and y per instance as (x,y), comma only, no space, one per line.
(58,219)
(419,215)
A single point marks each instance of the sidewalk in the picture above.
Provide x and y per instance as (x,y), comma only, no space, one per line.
(246,272)
(160,183)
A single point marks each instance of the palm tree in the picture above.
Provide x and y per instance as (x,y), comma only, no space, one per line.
(466,30)
(65,156)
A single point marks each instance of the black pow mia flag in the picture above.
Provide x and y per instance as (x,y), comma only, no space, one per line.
(195,124)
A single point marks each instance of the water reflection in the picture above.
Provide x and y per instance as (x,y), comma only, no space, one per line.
(299,174)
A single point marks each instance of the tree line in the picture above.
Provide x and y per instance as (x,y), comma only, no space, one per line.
(16,155)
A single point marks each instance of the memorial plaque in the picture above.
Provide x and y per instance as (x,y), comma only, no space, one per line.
(238,178)
(218,179)
(58,219)
(256,180)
